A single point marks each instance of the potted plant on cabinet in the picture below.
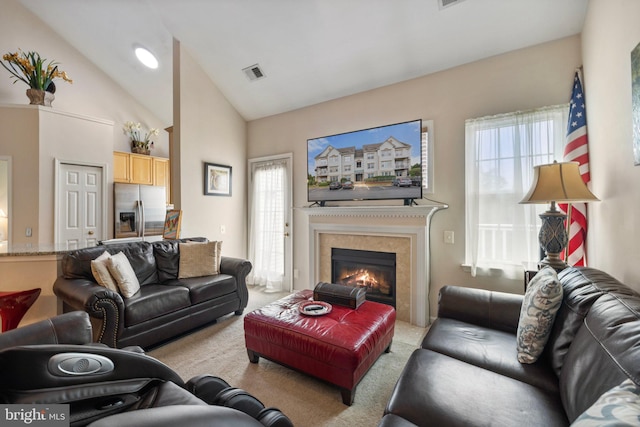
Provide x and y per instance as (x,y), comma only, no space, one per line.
(141,142)
(30,68)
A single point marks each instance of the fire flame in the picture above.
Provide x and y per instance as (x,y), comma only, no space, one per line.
(362,278)
(375,280)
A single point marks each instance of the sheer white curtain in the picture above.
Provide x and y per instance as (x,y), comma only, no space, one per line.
(267,224)
(501,152)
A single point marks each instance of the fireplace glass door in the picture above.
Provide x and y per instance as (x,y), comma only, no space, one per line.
(372,270)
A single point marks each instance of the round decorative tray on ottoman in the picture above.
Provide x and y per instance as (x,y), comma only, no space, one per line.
(314,308)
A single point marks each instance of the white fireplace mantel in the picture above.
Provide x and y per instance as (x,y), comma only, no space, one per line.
(412,222)
(425,211)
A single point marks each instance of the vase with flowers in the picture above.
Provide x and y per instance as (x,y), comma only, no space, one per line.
(30,68)
(141,142)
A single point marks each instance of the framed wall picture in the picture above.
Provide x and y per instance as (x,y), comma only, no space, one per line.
(217,180)
(172,223)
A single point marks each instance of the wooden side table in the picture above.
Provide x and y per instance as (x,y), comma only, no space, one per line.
(530,270)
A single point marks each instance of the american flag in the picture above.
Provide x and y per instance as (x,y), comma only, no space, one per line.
(577,150)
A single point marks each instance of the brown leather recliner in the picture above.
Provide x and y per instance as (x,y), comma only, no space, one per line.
(55,362)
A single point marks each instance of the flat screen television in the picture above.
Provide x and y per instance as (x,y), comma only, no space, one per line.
(379,163)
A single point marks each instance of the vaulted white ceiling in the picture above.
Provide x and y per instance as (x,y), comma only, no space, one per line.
(310,50)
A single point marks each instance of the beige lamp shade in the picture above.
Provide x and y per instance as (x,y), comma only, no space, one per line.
(558,182)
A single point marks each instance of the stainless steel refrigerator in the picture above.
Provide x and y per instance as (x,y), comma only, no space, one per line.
(139,210)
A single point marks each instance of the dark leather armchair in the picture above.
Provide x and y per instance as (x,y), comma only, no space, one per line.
(55,362)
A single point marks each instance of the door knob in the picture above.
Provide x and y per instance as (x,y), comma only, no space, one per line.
(286,234)
(90,233)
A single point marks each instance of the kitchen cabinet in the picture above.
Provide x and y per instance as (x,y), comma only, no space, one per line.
(121,167)
(142,169)
(162,175)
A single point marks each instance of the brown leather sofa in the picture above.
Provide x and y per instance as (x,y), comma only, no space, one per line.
(165,306)
(466,372)
(55,362)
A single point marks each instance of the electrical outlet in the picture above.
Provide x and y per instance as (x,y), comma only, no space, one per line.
(295,273)
(27,232)
(448,237)
(223,229)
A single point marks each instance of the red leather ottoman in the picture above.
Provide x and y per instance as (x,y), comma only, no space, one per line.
(338,347)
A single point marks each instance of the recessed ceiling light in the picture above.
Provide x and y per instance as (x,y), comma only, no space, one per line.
(146,57)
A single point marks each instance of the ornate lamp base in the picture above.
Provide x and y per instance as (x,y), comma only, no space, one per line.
(554,261)
(553,238)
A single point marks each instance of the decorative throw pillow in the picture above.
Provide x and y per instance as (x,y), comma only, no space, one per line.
(199,259)
(539,307)
(101,272)
(618,407)
(121,270)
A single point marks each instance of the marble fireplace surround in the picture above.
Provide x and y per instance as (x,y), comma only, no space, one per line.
(402,230)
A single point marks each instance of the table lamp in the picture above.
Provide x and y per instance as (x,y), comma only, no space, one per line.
(556,182)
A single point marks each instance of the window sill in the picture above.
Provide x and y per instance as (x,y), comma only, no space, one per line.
(514,272)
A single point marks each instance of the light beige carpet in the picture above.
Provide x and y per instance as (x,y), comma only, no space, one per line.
(219,350)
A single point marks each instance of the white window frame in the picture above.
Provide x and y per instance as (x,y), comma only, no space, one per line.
(501,151)
(428,134)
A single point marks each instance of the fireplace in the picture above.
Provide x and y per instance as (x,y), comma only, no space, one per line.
(396,229)
(372,270)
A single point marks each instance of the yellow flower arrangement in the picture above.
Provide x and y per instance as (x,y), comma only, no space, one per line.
(30,68)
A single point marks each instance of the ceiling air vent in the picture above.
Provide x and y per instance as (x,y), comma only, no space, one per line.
(254,72)
(442,4)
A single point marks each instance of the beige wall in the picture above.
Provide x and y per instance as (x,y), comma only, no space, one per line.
(212,131)
(21,124)
(69,138)
(4,196)
(610,32)
(23,273)
(528,78)
(93,93)
(35,137)
(208,129)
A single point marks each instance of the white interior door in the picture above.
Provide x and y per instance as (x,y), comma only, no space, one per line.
(80,205)
(270,228)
